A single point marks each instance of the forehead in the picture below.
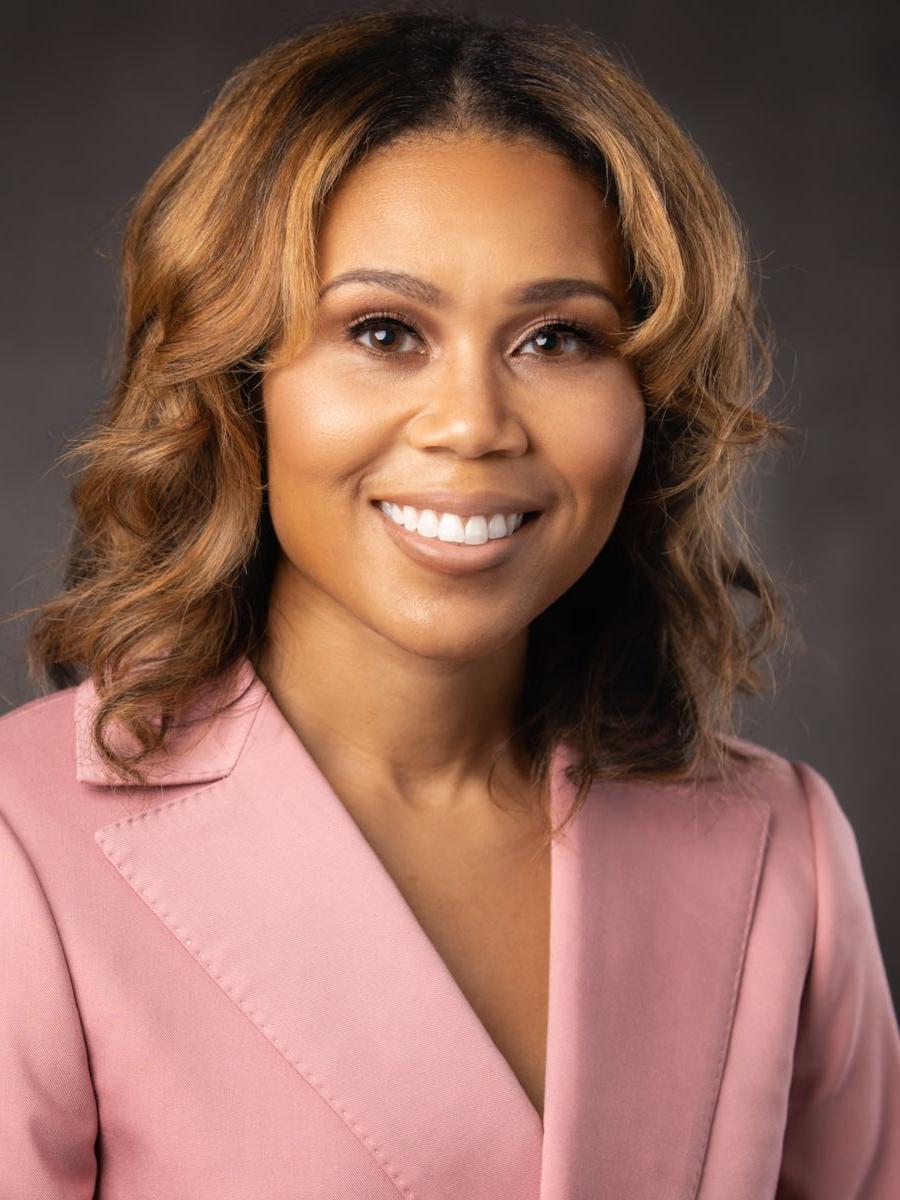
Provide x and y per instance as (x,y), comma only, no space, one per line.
(457,200)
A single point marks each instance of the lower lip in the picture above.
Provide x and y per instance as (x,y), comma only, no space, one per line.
(453,558)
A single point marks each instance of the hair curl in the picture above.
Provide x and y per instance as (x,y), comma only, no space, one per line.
(170,562)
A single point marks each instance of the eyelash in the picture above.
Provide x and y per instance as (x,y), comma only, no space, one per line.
(590,343)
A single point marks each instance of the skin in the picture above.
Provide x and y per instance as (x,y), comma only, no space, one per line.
(401,681)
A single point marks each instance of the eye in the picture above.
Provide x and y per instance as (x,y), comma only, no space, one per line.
(389,331)
(378,324)
(548,337)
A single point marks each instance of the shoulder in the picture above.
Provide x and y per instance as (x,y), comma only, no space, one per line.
(38,710)
(42,800)
(807,833)
(810,835)
(792,788)
(44,822)
(37,740)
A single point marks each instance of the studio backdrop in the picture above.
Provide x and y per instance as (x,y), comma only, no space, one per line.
(795,107)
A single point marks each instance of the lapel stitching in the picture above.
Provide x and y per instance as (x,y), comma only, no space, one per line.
(741,950)
(107,843)
(269,884)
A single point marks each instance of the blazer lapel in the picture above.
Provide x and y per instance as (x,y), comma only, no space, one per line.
(653,901)
(265,878)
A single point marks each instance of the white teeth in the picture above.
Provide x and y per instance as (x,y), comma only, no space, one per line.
(476,531)
(498,525)
(410,517)
(450,527)
(428,523)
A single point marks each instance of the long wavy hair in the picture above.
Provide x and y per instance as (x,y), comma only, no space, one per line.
(169,567)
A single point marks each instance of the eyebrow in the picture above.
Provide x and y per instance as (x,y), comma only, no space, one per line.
(539,291)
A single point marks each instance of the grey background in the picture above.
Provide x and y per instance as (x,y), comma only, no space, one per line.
(795,107)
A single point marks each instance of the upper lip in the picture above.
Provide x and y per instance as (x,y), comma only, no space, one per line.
(466,504)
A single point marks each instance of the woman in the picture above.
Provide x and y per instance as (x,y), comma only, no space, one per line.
(384,833)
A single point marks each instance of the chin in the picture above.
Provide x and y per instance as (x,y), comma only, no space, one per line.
(437,638)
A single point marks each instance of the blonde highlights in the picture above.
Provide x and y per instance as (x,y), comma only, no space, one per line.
(168,572)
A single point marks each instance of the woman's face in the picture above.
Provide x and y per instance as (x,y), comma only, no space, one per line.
(466,387)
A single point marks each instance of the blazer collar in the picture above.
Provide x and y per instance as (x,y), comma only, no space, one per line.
(200,751)
(284,904)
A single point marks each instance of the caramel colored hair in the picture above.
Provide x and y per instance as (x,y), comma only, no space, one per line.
(169,569)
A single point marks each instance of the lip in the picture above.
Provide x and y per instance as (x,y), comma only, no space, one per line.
(452,558)
(465,504)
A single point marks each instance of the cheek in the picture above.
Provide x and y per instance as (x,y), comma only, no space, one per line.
(319,438)
(314,433)
(599,448)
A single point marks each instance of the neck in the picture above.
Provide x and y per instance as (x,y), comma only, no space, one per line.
(415,733)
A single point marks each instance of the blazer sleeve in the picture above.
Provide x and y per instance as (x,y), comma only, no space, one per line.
(48,1116)
(842,1138)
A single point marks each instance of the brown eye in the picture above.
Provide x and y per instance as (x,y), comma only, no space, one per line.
(387,333)
(550,339)
(552,336)
(388,330)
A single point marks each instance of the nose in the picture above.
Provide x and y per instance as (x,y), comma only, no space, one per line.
(468,411)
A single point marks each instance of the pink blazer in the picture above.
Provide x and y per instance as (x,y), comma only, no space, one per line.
(213,990)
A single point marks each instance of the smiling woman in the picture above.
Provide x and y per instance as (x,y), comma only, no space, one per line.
(473,385)
(347,286)
(387,832)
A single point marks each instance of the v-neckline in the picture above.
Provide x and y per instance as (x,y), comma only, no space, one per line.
(375,844)
(560,792)
(267,882)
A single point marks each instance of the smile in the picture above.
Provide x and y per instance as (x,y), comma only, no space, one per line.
(436,539)
(450,526)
